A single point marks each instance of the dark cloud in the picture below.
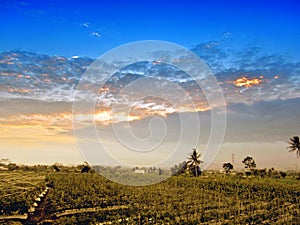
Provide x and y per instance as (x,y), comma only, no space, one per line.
(261,122)
(251,127)
(264,121)
(15,107)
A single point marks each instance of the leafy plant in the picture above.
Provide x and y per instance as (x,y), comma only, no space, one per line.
(227,167)
(249,163)
(294,145)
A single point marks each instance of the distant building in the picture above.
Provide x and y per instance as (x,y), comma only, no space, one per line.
(139,171)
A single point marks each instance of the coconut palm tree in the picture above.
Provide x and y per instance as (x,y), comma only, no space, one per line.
(194,162)
(294,145)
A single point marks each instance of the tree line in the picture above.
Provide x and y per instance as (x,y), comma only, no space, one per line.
(193,163)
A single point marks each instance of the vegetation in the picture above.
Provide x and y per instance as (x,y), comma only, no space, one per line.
(294,145)
(80,196)
(18,190)
(87,168)
(179,200)
(88,198)
(194,162)
(227,167)
(249,163)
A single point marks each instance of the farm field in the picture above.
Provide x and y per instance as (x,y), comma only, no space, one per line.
(18,190)
(88,198)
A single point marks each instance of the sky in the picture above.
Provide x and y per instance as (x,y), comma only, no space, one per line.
(90,28)
(252,48)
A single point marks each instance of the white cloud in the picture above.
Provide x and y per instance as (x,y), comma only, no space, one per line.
(95,34)
(86,24)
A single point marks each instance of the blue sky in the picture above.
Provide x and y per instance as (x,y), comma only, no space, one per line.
(90,28)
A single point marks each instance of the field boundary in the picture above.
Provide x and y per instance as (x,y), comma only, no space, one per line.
(68,212)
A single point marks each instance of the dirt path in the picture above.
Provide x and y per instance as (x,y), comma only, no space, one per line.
(84,210)
(40,212)
(19,218)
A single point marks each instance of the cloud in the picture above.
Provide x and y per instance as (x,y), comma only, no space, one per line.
(263,121)
(260,122)
(86,24)
(227,35)
(246,76)
(262,94)
(95,34)
(92,30)
(16,5)
(25,7)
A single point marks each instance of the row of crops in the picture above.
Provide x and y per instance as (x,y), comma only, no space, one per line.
(188,200)
(18,191)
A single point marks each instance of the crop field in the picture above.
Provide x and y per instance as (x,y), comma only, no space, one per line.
(77,198)
(17,191)
(179,200)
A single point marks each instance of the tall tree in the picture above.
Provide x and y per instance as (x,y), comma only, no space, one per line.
(227,167)
(194,162)
(294,145)
(249,163)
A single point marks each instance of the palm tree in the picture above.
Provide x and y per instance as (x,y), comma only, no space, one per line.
(294,145)
(194,162)
(227,167)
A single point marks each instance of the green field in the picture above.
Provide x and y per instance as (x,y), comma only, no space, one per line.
(18,190)
(88,198)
